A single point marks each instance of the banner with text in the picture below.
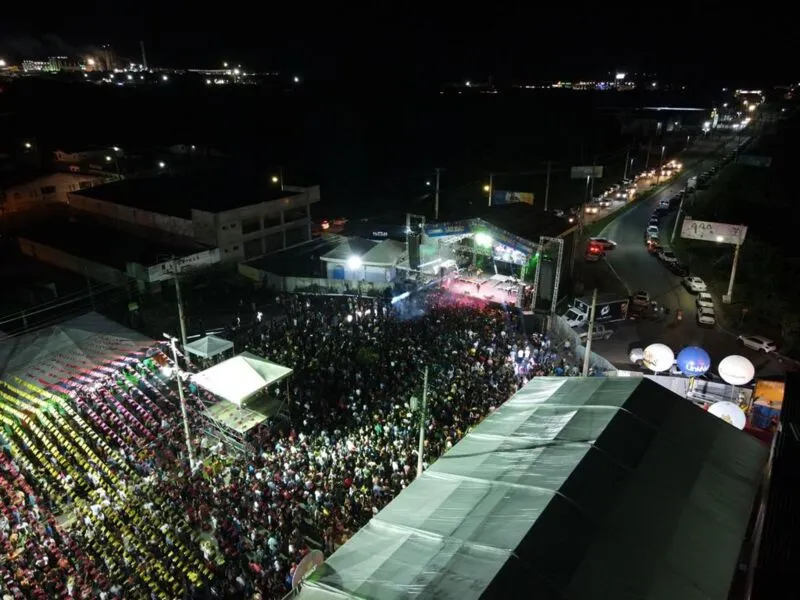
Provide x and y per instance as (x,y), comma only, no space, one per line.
(505,197)
(593,171)
(707,231)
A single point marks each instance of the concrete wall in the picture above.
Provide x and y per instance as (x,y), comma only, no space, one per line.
(58,258)
(311,284)
(134,216)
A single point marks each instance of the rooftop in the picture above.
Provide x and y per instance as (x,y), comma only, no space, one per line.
(96,241)
(176,195)
(524,220)
(299,261)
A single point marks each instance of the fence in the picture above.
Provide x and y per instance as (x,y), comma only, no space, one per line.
(313,285)
(563,333)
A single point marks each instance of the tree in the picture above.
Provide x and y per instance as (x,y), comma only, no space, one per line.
(790,329)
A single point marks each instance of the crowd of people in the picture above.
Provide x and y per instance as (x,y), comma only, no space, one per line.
(134,520)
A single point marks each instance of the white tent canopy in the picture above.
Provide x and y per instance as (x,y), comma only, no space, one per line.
(62,351)
(240,377)
(209,346)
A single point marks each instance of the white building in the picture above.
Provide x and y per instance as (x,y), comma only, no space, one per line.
(244,214)
(48,189)
(359,259)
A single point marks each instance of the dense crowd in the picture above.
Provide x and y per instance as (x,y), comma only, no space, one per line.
(236,526)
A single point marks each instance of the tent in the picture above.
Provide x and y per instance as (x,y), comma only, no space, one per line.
(60,352)
(209,346)
(580,488)
(240,377)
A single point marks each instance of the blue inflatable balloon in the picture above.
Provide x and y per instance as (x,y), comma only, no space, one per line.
(693,361)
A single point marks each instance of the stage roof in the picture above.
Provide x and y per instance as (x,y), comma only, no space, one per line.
(57,353)
(240,377)
(208,346)
(579,488)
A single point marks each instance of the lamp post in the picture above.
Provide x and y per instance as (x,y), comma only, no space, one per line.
(279,177)
(184,413)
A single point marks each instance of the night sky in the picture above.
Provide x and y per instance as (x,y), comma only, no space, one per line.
(415,42)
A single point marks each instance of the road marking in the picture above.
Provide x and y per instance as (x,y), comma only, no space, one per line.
(614,271)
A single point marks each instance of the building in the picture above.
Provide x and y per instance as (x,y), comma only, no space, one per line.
(85,245)
(243,214)
(357,259)
(47,189)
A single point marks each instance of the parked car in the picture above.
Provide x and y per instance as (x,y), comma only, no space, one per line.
(678,268)
(599,332)
(706,317)
(652,230)
(694,284)
(668,256)
(641,298)
(704,300)
(758,343)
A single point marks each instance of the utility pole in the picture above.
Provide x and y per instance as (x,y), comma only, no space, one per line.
(491,187)
(436,196)
(594,162)
(661,163)
(179,298)
(678,216)
(729,296)
(588,351)
(144,56)
(547,187)
(649,148)
(281,175)
(421,448)
(184,413)
(627,160)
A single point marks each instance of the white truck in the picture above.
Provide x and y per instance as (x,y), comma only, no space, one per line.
(608,309)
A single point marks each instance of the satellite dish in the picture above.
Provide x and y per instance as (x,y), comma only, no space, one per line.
(736,370)
(658,357)
(307,566)
(730,413)
(636,356)
(693,361)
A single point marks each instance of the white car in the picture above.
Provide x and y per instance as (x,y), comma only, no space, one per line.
(668,256)
(704,300)
(652,230)
(604,243)
(706,317)
(757,342)
(695,285)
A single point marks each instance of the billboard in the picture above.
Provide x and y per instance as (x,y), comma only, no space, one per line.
(708,231)
(586,171)
(445,229)
(506,197)
(165,270)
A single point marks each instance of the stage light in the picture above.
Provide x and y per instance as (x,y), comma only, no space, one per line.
(483,239)
(353,263)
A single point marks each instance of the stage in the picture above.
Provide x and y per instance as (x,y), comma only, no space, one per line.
(499,289)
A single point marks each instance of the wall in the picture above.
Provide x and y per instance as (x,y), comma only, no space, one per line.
(72,263)
(311,284)
(50,188)
(135,216)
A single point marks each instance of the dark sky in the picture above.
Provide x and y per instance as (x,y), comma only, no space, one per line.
(415,41)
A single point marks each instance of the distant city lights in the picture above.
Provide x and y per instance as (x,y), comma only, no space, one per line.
(620,76)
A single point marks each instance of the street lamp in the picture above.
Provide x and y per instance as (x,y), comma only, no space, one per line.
(354,262)
(278,178)
(2,63)
(296,79)
(162,164)
(184,414)
(28,145)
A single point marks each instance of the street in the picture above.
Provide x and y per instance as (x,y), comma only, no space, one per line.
(639,270)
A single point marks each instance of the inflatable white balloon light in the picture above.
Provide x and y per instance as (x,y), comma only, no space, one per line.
(658,357)
(730,413)
(636,356)
(736,370)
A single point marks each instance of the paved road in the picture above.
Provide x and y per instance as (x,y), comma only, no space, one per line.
(638,270)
